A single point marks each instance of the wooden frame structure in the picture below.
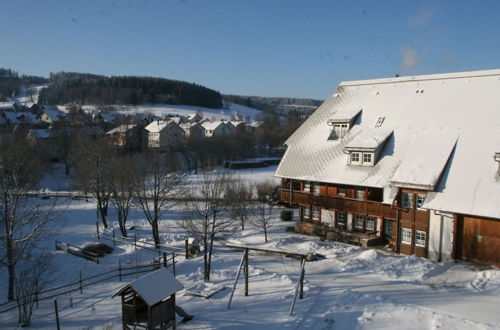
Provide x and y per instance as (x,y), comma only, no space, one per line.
(299,289)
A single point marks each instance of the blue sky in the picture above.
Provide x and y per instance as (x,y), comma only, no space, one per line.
(251,47)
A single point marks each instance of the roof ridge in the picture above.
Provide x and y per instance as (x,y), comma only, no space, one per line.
(425,77)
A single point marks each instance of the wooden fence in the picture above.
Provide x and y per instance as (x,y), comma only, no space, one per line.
(117,273)
(77,251)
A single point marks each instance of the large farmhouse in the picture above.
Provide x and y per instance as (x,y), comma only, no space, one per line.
(412,162)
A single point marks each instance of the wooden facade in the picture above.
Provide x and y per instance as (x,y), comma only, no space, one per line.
(360,204)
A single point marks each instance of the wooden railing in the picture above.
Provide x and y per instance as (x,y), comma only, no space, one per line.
(372,208)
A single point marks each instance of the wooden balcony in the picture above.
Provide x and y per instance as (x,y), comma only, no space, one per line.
(337,203)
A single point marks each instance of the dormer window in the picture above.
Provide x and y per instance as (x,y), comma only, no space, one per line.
(364,149)
(341,122)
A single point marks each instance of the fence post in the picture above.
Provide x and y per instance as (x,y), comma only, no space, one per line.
(114,238)
(57,315)
(97,229)
(120,270)
(135,241)
(186,245)
(173,261)
(81,283)
(164,259)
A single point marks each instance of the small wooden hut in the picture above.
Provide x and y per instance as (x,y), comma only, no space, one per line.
(149,302)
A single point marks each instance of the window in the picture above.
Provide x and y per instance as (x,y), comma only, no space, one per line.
(315,213)
(341,218)
(307,212)
(407,200)
(360,194)
(340,130)
(405,235)
(315,188)
(361,158)
(367,158)
(358,221)
(341,191)
(307,186)
(355,158)
(380,121)
(420,200)
(370,223)
(420,238)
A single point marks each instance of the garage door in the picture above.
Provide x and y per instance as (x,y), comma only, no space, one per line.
(478,240)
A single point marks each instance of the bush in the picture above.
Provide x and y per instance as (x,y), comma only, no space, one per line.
(286,215)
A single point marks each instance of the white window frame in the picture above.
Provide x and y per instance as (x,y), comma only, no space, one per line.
(355,158)
(315,188)
(360,194)
(357,219)
(365,161)
(406,236)
(341,193)
(340,129)
(420,238)
(420,199)
(316,213)
(370,223)
(341,216)
(407,200)
(307,186)
(307,212)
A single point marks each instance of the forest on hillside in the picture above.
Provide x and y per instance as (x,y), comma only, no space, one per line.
(11,82)
(281,105)
(84,88)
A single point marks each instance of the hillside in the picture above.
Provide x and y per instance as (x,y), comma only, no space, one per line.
(84,88)
(281,105)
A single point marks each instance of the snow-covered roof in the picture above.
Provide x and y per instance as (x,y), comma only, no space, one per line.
(20,117)
(41,133)
(212,125)
(157,125)
(6,105)
(53,113)
(155,286)
(370,139)
(121,129)
(445,134)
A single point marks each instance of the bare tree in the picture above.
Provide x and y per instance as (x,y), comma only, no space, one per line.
(91,159)
(157,189)
(122,186)
(262,217)
(204,214)
(32,276)
(22,222)
(239,196)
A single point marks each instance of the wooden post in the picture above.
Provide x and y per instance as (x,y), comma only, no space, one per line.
(298,285)
(236,280)
(246,272)
(97,230)
(186,246)
(302,274)
(135,241)
(120,270)
(173,262)
(58,326)
(81,283)
(164,259)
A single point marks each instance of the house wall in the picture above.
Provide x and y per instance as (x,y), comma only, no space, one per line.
(441,226)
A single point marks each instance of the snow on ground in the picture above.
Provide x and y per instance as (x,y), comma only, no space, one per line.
(162,110)
(353,288)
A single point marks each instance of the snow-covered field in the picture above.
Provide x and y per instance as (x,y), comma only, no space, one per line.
(353,288)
